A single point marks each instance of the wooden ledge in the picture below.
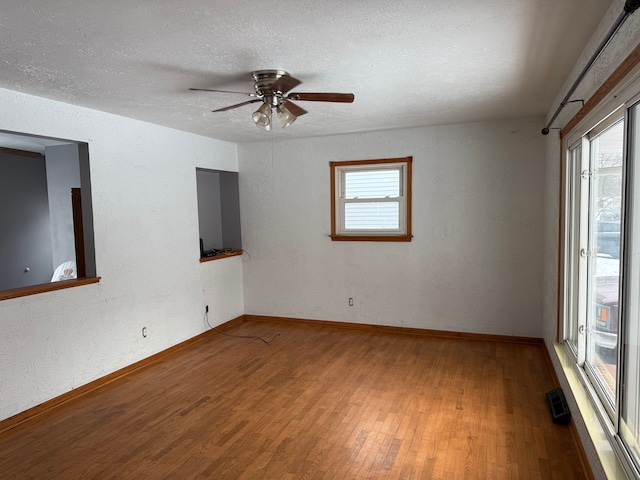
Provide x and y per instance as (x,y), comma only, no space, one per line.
(46,287)
(233,253)
(371,238)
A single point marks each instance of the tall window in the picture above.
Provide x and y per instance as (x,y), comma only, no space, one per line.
(602,262)
(371,200)
(596,165)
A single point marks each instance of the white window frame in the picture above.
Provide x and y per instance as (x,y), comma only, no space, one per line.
(339,201)
(614,105)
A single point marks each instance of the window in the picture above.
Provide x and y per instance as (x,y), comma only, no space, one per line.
(218,213)
(46,220)
(371,200)
(601,245)
(629,403)
(597,167)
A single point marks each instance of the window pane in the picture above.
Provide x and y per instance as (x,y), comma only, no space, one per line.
(605,210)
(630,407)
(372,184)
(573,243)
(372,216)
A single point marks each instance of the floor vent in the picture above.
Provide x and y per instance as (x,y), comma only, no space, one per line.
(558,406)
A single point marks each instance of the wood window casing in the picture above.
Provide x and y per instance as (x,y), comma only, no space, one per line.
(406,236)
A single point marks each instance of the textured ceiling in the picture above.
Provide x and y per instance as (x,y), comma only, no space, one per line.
(409,63)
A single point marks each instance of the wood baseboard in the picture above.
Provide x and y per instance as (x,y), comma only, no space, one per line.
(393,329)
(49,405)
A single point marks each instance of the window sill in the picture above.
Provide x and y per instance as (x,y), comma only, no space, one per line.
(371,238)
(219,256)
(601,434)
(46,287)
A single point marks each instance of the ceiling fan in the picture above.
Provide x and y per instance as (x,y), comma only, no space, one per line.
(271,88)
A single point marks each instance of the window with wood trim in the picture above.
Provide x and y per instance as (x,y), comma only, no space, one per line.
(371,200)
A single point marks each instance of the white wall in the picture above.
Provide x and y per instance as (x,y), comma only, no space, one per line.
(474,264)
(63,174)
(209,209)
(619,48)
(25,259)
(146,234)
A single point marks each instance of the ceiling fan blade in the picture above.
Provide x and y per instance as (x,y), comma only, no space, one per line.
(323,97)
(295,109)
(222,91)
(231,107)
(284,84)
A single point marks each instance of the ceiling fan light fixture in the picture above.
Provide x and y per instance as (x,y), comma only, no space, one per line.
(262,116)
(285,116)
(272,89)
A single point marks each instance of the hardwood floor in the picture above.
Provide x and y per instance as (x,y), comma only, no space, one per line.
(317,403)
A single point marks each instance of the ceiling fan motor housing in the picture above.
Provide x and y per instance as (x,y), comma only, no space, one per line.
(264,79)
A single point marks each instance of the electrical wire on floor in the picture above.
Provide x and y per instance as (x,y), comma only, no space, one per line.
(253,337)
